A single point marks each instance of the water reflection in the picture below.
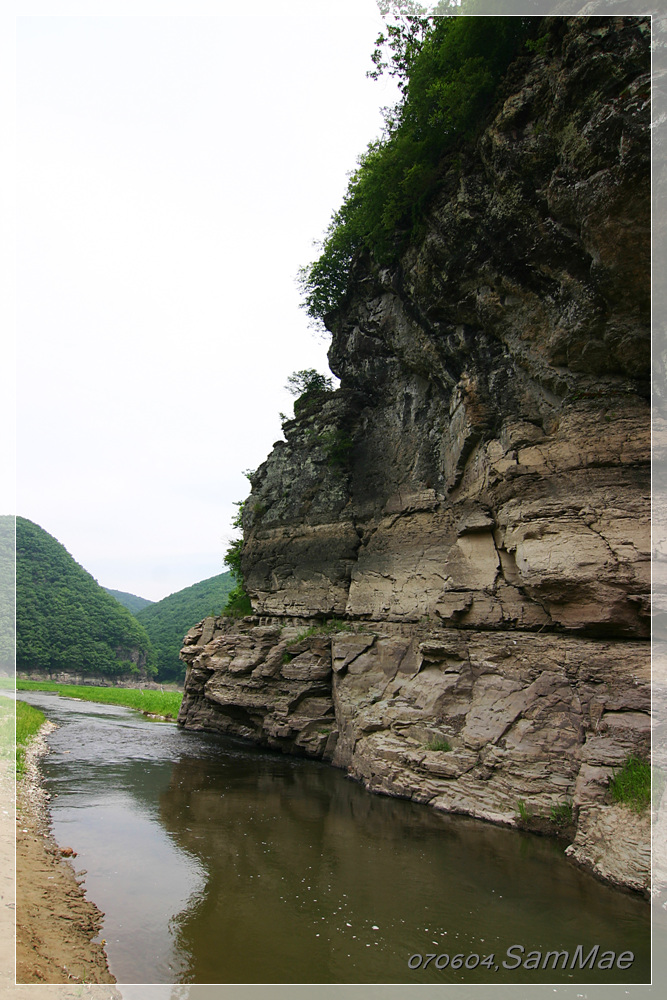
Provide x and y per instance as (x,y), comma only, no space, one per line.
(106,770)
(218,862)
(312,880)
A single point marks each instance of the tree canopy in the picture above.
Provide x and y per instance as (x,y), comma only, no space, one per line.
(448,70)
(65,621)
(167,621)
(308,380)
(129,601)
(238,602)
(310,389)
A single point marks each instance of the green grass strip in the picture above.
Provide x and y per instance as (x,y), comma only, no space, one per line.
(631,785)
(7,683)
(163,703)
(29,721)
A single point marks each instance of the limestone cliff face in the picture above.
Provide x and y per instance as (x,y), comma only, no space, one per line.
(472,504)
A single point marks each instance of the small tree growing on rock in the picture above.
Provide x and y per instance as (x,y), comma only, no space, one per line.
(238,601)
(308,385)
(308,381)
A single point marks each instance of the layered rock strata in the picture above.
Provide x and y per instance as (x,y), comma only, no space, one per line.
(472,504)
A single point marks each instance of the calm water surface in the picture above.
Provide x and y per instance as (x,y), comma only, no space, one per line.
(218,862)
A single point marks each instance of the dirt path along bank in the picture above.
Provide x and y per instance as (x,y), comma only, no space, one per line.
(55,923)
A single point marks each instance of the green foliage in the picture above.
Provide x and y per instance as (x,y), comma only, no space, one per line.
(129,601)
(448,70)
(162,703)
(439,744)
(308,380)
(335,443)
(310,388)
(525,813)
(538,45)
(64,619)
(396,51)
(328,627)
(561,815)
(238,602)
(167,621)
(337,446)
(233,554)
(559,821)
(233,557)
(631,784)
(29,721)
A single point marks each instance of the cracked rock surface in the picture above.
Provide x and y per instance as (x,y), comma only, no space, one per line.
(484,535)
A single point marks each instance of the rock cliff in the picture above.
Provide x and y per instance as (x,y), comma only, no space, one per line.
(452,549)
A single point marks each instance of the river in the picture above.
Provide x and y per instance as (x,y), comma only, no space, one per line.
(215,861)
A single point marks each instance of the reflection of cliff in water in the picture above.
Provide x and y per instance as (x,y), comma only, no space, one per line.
(311,879)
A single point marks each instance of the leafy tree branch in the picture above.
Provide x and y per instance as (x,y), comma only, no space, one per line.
(448,70)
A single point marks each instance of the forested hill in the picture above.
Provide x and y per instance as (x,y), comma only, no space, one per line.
(167,621)
(129,601)
(65,621)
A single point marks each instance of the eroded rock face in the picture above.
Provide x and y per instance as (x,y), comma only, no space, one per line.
(258,681)
(465,721)
(474,500)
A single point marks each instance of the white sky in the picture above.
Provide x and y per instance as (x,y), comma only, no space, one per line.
(175,162)
(173,173)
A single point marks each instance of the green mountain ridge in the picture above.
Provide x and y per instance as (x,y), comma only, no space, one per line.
(167,621)
(65,621)
(132,602)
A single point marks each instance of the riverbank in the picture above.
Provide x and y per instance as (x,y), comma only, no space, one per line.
(55,923)
(155,704)
(192,839)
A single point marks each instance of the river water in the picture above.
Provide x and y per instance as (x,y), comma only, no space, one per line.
(217,862)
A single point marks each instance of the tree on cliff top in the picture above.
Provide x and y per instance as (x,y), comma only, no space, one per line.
(448,70)
(308,381)
(309,387)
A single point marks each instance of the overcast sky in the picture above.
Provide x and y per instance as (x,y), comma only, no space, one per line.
(173,175)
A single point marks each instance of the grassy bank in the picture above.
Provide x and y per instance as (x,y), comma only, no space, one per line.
(28,722)
(631,785)
(163,703)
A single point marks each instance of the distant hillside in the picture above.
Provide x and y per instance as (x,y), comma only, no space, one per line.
(65,621)
(129,601)
(167,621)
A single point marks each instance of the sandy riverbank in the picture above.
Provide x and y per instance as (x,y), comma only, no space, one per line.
(55,923)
